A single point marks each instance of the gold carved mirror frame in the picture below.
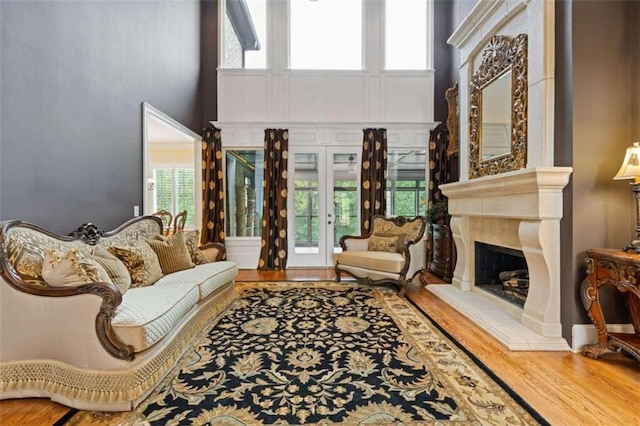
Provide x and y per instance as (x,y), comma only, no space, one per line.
(501,55)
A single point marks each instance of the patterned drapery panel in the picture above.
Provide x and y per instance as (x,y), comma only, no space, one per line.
(439,163)
(212,187)
(273,254)
(373,177)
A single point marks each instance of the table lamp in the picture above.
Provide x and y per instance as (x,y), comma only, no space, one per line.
(630,169)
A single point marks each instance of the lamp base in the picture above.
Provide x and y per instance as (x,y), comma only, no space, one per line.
(633,247)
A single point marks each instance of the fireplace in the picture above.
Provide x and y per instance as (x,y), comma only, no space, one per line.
(515,212)
(502,272)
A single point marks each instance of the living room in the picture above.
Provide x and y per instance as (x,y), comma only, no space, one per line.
(74,76)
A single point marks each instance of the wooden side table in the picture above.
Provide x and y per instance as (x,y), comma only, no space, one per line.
(622,270)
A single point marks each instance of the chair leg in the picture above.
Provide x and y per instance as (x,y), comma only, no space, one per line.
(337,279)
(402,287)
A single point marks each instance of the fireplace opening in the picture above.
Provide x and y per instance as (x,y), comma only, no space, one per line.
(502,272)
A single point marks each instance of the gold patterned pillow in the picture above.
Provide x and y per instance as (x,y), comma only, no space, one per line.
(172,253)
(71,268)
(141,262)
(115,268)
(191,239)
(388,244)
(401,240)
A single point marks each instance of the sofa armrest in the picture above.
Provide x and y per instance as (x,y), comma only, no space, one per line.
(214,251)
(108,292)
(354,243)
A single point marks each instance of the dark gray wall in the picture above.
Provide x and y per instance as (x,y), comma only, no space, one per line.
(442,56)
(594,134)
(74,75)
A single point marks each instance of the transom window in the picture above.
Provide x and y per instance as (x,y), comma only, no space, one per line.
(325,34)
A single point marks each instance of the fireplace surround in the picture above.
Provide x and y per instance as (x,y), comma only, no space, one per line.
(520,210)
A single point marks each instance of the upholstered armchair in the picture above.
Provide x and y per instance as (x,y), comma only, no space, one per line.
(393,251)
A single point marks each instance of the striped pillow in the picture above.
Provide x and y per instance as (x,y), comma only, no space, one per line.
(172,253)
(114,267)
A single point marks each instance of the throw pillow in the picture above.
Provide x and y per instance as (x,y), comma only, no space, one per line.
(141,262)
(115,268)
(191,239)
(401,240)
(172,253)
(71,268)
(388,244)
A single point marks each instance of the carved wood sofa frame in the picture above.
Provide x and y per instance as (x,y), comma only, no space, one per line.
(110,294)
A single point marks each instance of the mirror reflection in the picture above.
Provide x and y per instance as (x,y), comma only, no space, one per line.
(496,117)
(171,160)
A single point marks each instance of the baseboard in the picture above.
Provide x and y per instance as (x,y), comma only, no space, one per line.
(586,334)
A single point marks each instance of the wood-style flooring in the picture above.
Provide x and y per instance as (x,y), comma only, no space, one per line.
(565,388)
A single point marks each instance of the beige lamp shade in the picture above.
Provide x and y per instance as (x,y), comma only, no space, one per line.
(630,168)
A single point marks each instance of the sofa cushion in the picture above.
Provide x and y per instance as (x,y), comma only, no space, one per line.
(172,253)
(71,268)
(208,277)
(146,314)
(141,262)
(191,239)
(114,267)
(377,260)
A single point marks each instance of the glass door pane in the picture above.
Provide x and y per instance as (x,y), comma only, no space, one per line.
(306,202)
(344,197)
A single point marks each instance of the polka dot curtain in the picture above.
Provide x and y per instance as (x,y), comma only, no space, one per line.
(212,187)
(439,163)
(273,254)
(373,176)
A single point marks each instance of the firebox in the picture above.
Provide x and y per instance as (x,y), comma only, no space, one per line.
(502,271)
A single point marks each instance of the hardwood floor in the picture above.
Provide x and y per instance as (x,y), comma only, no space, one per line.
(565,388)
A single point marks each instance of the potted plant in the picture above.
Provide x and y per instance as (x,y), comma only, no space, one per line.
(438,212)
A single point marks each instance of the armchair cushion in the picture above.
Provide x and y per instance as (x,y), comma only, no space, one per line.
(387,243)
(377,260)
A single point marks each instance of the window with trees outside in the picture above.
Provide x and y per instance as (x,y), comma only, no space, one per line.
(406,182)
(175,191)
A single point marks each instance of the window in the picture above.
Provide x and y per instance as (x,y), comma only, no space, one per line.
(345,202)
(306,213)
(175,192)
(405,34)
(406,182)
(243,197)
(325,34)
(244,34)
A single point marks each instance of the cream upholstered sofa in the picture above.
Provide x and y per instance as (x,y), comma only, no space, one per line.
(90,346)
(391,252)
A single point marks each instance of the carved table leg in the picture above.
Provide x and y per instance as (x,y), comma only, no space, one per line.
(591,302)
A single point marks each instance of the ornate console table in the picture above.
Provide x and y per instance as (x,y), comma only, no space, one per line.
(622,270)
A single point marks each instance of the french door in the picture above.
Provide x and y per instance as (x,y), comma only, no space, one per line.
(323,202)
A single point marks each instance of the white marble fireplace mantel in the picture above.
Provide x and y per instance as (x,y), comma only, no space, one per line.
(520,210)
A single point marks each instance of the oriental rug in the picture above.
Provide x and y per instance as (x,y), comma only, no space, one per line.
(323,353)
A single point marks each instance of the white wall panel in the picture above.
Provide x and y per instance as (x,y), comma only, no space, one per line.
(408,98)
(322,98)
(244,96)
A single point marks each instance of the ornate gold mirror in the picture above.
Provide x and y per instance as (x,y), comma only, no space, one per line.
(498,108)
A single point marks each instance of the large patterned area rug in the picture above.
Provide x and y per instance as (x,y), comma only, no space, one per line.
(324,353)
